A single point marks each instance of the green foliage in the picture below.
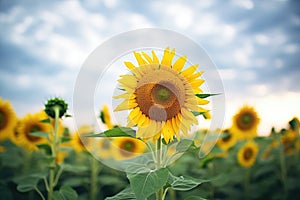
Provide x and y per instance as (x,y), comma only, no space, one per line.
(115,132)
(124,194)
(184,183)
(145,184)
(65,193)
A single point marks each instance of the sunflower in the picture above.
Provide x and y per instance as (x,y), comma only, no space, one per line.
(247,154)
(245,123)
(105,117)
(288,140)
(227,141)
(104,146)
(161,95)
(126,148)
(79,141)
(8,119)
(32,123)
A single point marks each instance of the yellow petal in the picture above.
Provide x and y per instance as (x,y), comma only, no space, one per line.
(196,83)
(139,59)
(134,113)
(148,58)
(126,104)
(168,57)
(155,58)
(180,62)
(194,76)
(187,72)
(128,80)
(129,65)
(188,115)
(125,96)
(202,101)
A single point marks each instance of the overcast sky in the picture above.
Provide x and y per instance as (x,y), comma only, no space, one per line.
(254,44)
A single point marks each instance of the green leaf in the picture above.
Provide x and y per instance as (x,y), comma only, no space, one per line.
(203,96)
(183,145)
(184,183)
(145,184)
(45,147)
(67,115)
(64,139)
(28,182)
(40,134)
(124,194)
(47,120)
(115,132)
(65,193)
(77,169)
(197,113)
(194,198)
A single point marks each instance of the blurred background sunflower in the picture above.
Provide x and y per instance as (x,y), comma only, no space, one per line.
(126,148)
(8,119)
(247,154)
(245,123)
(32,123)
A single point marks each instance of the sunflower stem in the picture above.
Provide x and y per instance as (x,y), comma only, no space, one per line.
(247,183)
(160,192)
(94,175)
(283,167)
(54,147)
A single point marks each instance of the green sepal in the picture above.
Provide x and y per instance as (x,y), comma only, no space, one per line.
(115,132)
(203,96)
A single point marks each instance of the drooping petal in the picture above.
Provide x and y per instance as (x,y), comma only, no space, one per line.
(148,58)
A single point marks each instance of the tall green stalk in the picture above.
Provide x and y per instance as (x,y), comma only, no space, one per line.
(54,146)
(94,178)
(283,169)
(160,192)
(247,183)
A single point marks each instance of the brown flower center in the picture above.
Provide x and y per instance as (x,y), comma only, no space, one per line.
(245,121)
(160,93)
(227,136)
(32,129)
(3,120)
(248,153)
(158,101)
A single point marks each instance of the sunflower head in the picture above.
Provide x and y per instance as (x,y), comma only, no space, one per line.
(58,103)
(245,123)
(289,141)
(8,119)
(161,95)
(32,123)
(227,140)
(104,146)
(79,140)
(126,148)
(294,124)
(105,117)
(247,154)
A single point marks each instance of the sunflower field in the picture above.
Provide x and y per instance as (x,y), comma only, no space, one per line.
(156,155)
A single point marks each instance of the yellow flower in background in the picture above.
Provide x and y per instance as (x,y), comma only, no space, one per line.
(289,142)
(8,119)
(227,140)
(104,146)
(79,141)
(247,154)
(105,117)
(161,95)
(245,123)
(32,123)
(126,148)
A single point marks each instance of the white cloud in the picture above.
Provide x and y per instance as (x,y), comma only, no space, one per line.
(182,15)
(246,4)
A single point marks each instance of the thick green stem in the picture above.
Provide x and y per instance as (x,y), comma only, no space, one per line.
(247,183)
(159,193)
(54,148)
(94,181)
(283,169)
